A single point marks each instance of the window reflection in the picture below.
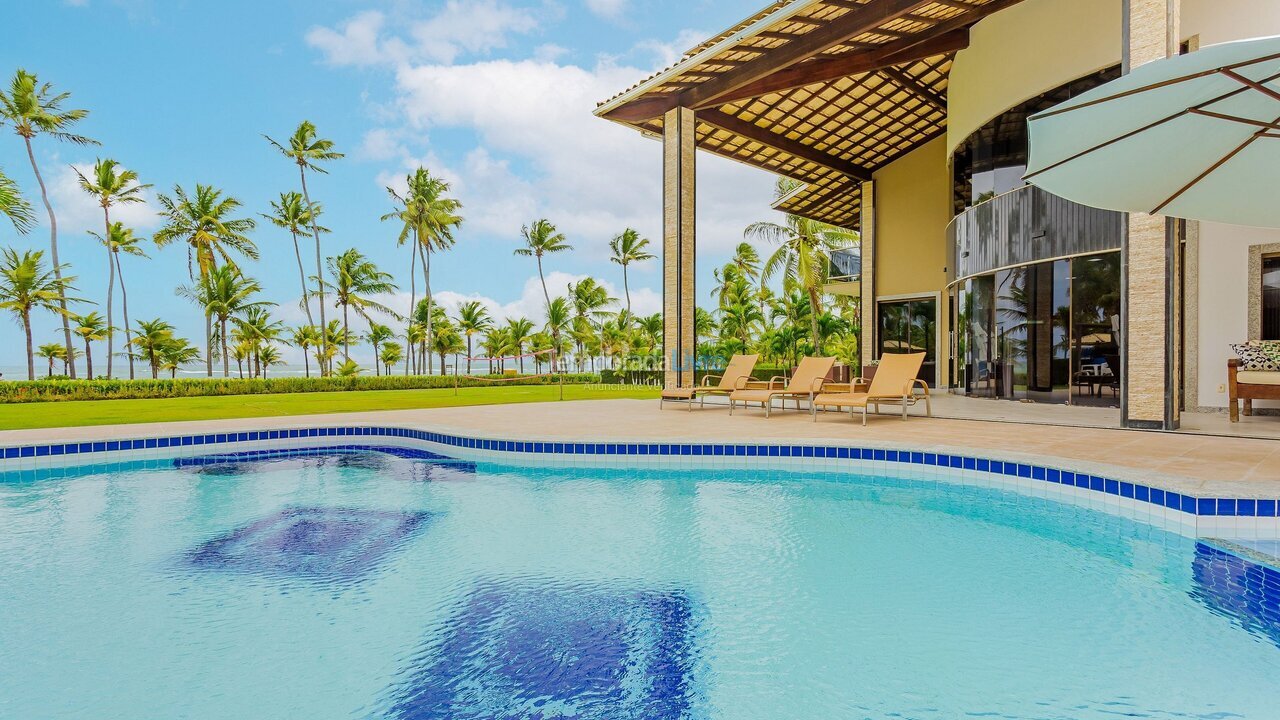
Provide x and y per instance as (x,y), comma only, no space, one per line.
(909,327)
(1044,332)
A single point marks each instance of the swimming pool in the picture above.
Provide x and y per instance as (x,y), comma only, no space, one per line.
(396,583)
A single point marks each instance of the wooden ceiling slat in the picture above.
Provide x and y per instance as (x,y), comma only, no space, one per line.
(759,134)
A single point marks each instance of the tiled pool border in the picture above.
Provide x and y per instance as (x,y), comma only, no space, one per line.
(1184,503)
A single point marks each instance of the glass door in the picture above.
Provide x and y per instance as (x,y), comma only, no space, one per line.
(911,326)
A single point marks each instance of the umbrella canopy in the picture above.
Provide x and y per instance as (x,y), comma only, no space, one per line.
(1196,136)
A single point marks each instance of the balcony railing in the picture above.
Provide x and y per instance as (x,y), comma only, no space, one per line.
(1024,226)
(846,266)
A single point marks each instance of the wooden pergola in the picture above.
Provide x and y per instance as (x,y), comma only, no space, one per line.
(822,91)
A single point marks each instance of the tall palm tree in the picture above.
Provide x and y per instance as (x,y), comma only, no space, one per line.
(494,345)
(91,328)
(355,280)
(152,338)
(541,238)
(803,255)
(306,150)
(202,222)
(224,292)
(377,336)
(473,318)
(33,109)
(110,185)
(119,239)
(430,217)
(447,340)
(629,247)
(304,338)
(25,285)
(269,355)
(589,300)
(14,206)
(255,325)
(294,214)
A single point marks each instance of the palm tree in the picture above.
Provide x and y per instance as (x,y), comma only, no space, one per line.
(416,336)
(90,328)
(26,285)
(118,239)
(224,292)
(541,238)
(305,337)
(14,206)
(495,342)
(256,326)
(589,299)
(201,221)
(269,355)
(473,318)
(334,336)
(348,368)
(110,186)
(240,352)
(431,217)
(803,254)
(390,355)
(306,150)
(629,247)
(51,352)
(295,215)
(518,332)
(355,279)
(558,318)
(377,335)
(447,340)
(151,340)
(32,109)
(176,353)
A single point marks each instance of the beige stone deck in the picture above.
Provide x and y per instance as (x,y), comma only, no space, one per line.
(1200,464)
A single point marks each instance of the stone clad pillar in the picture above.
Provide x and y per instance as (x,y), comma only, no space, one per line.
(678,231)
(1149,301)
(867,293)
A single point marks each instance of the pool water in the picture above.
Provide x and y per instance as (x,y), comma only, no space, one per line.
(368,584)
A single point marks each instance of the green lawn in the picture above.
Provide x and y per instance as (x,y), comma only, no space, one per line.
(111,412)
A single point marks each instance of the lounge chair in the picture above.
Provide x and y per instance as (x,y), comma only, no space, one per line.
(895,381)
(736,374)
(806,382)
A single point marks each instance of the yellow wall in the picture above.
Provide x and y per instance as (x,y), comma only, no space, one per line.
(1025,50)
(913,199)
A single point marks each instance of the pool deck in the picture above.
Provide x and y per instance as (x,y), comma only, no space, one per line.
(1194,463)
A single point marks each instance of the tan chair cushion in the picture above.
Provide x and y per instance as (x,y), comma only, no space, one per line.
(842,399)
(1258,377)
(679,393)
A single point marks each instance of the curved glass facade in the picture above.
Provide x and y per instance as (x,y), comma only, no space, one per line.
(1036,298)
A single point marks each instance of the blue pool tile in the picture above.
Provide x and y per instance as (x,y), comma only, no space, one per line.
(970,463)
(1097,483)
(1142,493)
(590,652)
(1188,505)
(1037,472)
(1226,507)
(1266,508)
(321,544)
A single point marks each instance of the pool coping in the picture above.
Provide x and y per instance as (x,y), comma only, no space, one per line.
(1102,480)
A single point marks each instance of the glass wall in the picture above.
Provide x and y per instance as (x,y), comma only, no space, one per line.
(1043,332)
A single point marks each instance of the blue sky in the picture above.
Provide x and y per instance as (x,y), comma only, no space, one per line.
(495,95)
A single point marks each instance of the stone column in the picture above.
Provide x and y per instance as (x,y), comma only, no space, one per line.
(867,293)
(678,230)
(1149,302)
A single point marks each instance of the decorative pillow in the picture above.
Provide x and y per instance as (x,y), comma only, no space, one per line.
(1258,355)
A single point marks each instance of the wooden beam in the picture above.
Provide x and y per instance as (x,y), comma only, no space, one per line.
(751,131)
(845,27)
(915,87)
(817,71)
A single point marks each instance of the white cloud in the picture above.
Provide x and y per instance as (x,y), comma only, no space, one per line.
(461,26)
(607,9)
(380,144)
(669,53)
(79,212)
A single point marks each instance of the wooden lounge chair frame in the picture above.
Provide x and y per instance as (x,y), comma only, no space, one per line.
(736,376)
(895,382)
(806,382)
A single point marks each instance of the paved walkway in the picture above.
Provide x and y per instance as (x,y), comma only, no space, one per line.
(1196,464)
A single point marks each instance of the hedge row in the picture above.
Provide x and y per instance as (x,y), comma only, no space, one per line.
(115,389)
(655,377)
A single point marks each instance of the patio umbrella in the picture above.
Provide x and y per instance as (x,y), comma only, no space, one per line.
(1195,136)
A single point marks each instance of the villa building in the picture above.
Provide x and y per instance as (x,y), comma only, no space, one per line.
(906,121)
